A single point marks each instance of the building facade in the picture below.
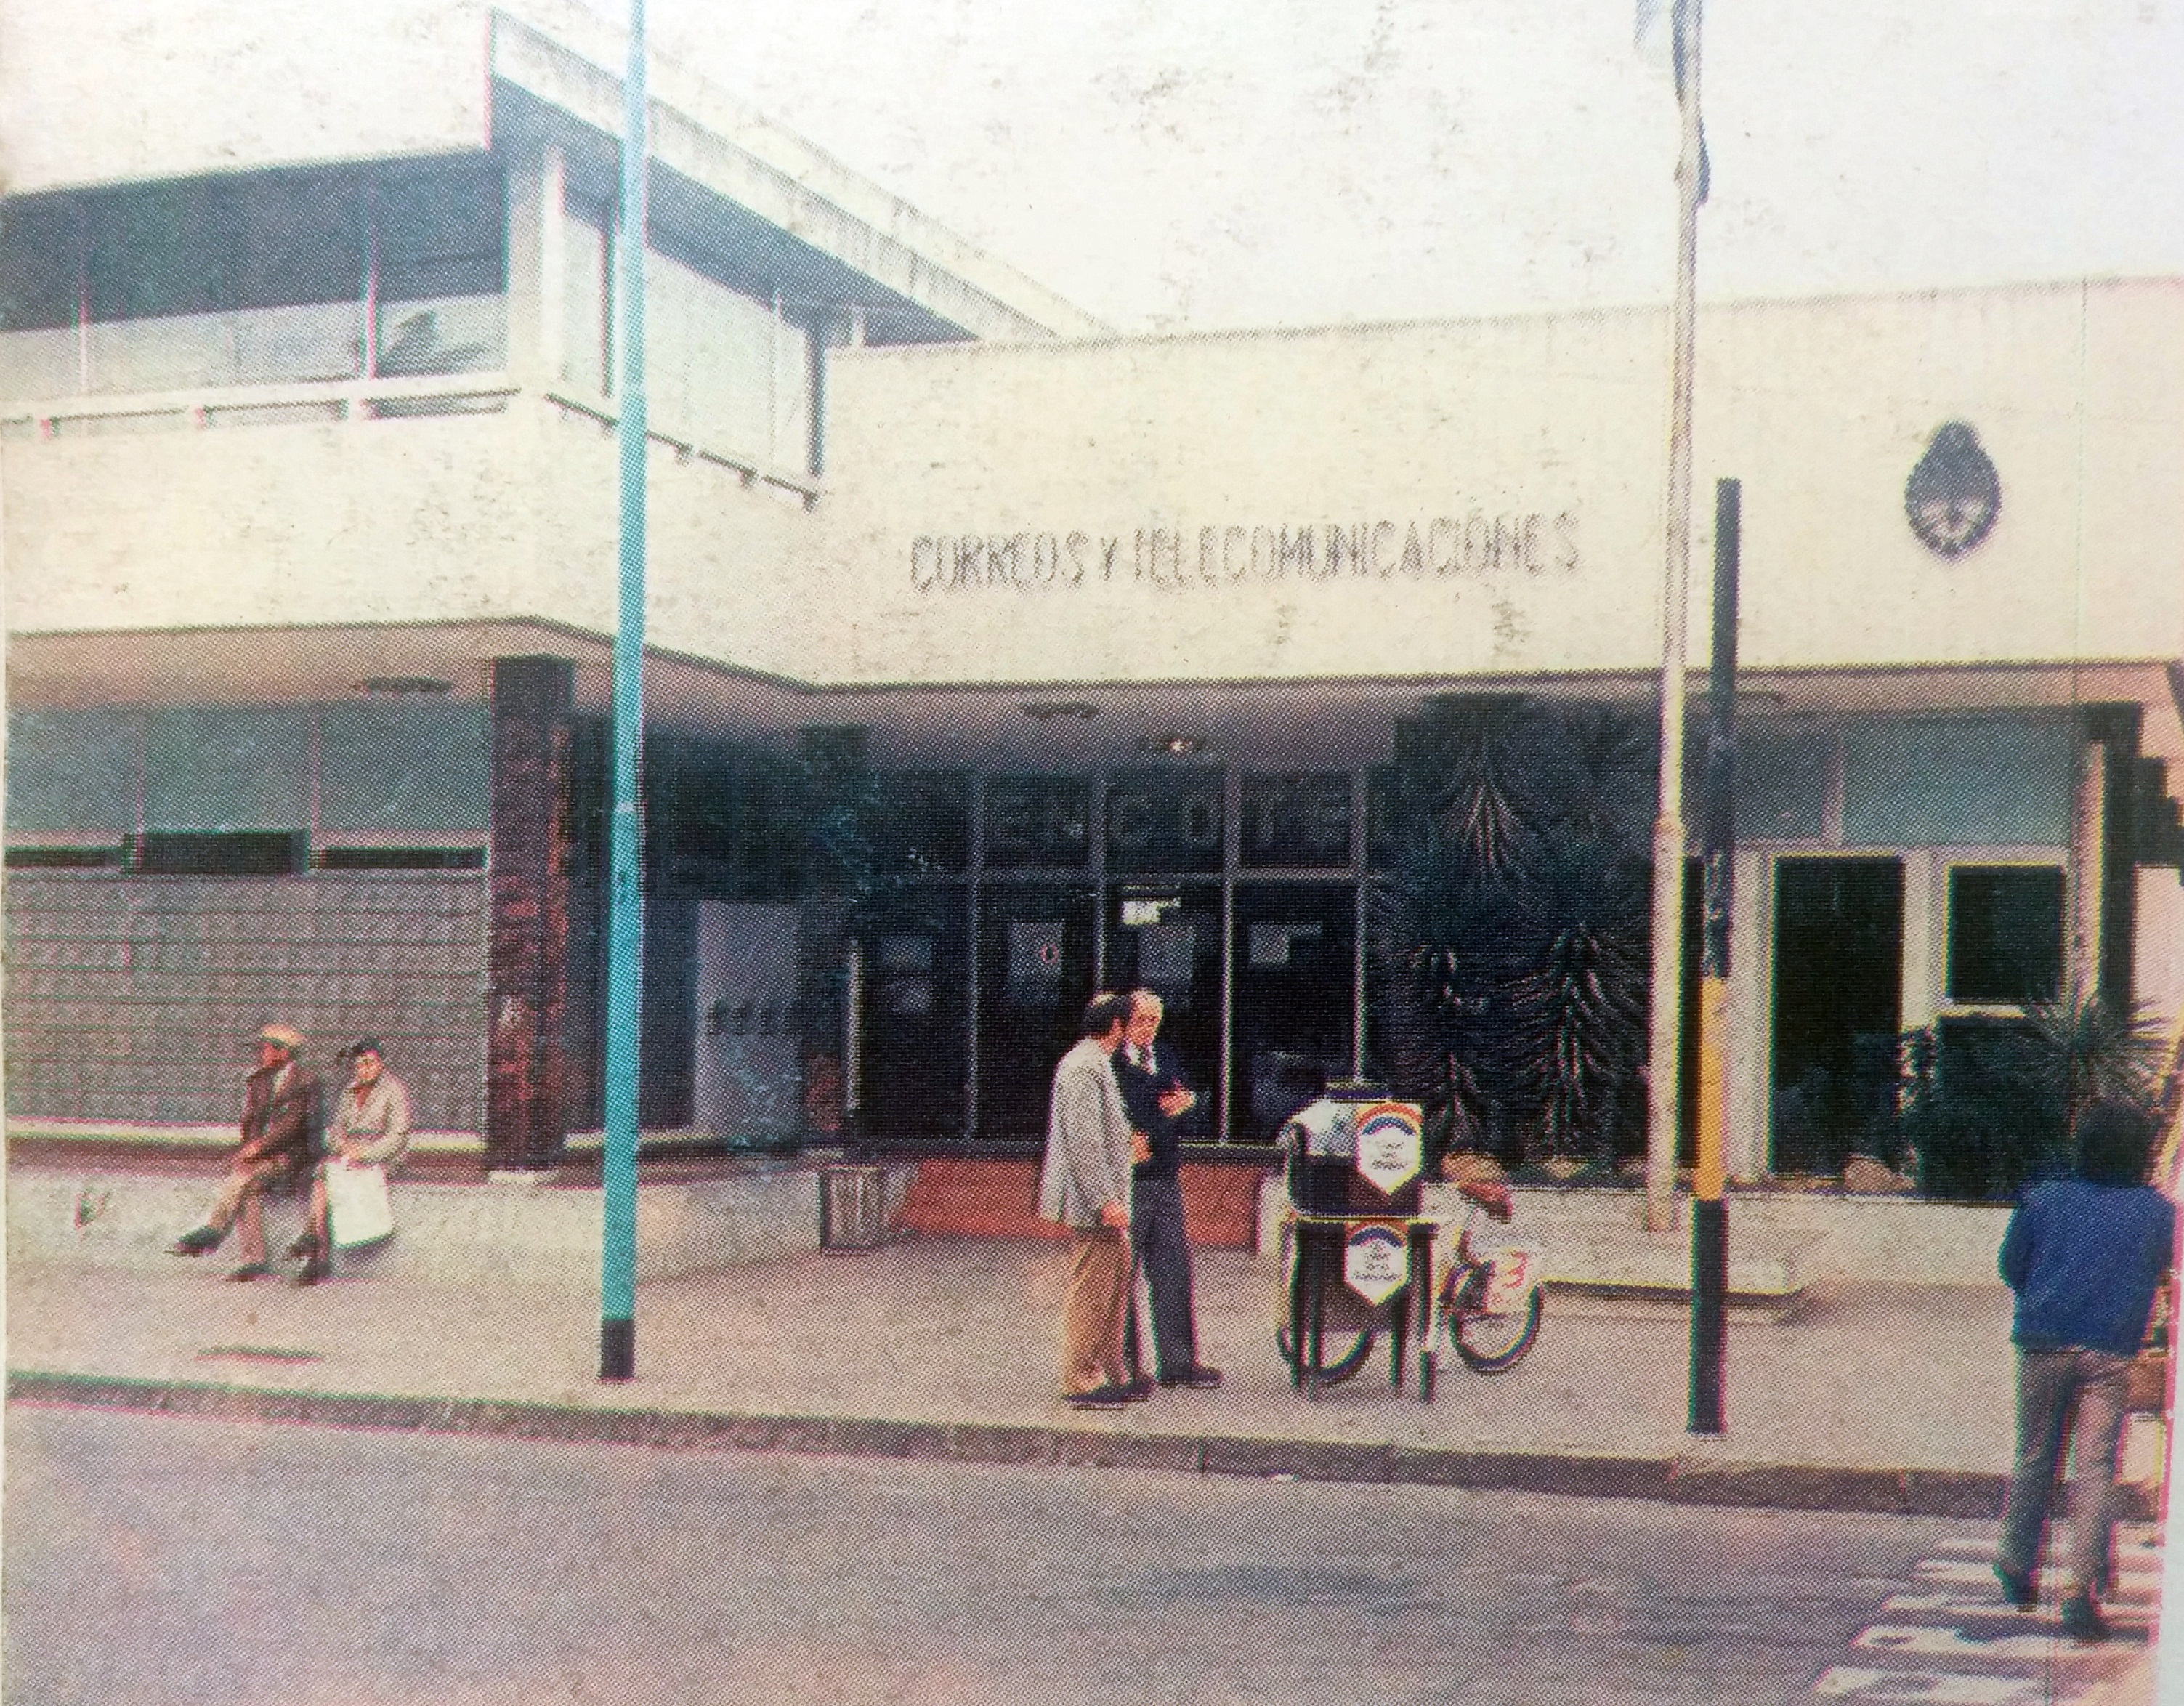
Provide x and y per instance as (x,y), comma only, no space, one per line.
(995,658)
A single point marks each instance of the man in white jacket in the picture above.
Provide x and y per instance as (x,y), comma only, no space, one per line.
(1085,1185)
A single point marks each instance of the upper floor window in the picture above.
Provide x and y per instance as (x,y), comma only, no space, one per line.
(440,270)
(2005,932)
(729,362)
(270,276)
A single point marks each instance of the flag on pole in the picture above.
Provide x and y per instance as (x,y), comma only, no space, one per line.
(1654,36)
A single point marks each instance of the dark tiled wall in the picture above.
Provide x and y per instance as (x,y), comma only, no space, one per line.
(136,999)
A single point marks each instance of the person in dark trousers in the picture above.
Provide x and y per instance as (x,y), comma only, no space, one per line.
(2085,1256)
(1085,1185)
(279,1124)
(1160,1246)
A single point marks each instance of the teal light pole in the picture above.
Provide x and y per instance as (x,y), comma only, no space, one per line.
(625,876)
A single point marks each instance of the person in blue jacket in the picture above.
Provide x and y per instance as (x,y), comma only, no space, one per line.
(2085,1256)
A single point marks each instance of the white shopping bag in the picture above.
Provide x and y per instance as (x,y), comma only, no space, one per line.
(357,1203)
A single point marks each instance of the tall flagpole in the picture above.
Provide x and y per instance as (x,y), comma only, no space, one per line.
(625,878)
(1665,1054)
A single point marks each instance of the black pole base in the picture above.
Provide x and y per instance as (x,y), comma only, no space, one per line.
(1709,1311)
(617,1349)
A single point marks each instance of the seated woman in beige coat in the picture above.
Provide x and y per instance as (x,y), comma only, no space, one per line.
(370,1125)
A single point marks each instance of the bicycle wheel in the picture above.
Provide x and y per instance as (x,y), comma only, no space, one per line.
(1495,1344)
(1336,1364)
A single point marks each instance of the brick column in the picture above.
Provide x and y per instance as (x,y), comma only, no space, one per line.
(528,961)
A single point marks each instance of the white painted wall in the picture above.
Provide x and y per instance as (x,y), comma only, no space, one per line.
(2160,943)
(458,518)
(1822,408)
(1185,455)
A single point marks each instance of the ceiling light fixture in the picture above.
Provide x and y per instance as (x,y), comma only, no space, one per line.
(1174,745)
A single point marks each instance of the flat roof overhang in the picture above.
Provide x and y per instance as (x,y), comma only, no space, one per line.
(715,162)
(1278,724)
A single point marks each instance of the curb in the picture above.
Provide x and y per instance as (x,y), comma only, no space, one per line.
(1673,1480)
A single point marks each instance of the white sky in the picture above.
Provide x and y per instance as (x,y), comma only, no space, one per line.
(1212,163)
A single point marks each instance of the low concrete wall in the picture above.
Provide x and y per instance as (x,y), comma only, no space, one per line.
(514,1231)
(1781,1239)
(1900,1238)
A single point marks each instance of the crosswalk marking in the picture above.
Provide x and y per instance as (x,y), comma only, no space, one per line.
(1971,1648)
(1931,1640)
(2122,1612)
(1955,1570)
(1937,1688)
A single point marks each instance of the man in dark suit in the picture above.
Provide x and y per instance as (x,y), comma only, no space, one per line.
(1160,1246)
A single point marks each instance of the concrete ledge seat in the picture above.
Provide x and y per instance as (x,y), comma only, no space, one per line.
(1783,1246)
(528,1228)
(203,1149)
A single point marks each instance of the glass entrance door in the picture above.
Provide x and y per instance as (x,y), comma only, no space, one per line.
(1294,980)
(1838,1005)
(1168,940)
(917,999)
(1034,977)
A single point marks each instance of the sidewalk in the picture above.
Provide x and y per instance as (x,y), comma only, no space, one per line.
(1875,1398)
(1881,1398)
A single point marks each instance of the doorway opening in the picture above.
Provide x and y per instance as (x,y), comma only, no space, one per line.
(1838,1007)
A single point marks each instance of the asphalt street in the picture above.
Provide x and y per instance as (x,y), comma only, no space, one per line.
(155,1560)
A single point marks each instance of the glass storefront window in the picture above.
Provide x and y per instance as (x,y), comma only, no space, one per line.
(1038,822)
(1294,983)
(1164,820)
(2005,932)
(1034,977)
(922,822)
(74,772)
(391,767)
(1383,819)
(220,767)
(913,1018)
(1971,781)
(1298,822)
(1168,939)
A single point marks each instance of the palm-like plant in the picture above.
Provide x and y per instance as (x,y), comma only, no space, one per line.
(1511,936)
(1474,785)
(2081,1048)
(1580,1006)
(1998,1106)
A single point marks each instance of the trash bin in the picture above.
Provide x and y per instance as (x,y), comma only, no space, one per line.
(853,1207)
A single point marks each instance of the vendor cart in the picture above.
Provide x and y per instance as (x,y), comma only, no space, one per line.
(1364,1250)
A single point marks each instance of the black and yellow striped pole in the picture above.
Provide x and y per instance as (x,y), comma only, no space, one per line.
(1709,1207)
